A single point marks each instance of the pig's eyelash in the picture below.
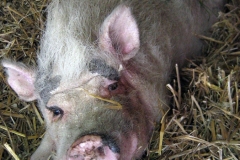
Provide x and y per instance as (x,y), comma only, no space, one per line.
(56,111)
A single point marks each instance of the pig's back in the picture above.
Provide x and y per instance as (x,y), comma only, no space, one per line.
(166,30)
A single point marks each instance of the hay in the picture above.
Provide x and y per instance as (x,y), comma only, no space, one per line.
(21,126)
(204,122)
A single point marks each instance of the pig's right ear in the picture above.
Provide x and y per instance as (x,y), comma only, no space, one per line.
(119,33)
(21,79)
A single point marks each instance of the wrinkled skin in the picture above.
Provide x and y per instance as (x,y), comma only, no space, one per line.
(102,71)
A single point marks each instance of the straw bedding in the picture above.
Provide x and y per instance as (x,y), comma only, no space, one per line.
(204,121)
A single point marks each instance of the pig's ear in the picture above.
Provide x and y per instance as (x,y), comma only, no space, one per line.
(21,79)
(119,33)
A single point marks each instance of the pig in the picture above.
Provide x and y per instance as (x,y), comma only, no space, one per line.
(102,72)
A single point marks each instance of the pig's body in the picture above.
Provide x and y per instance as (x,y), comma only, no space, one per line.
(95,51)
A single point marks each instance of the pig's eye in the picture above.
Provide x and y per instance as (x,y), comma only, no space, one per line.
(113,86)
(56,111)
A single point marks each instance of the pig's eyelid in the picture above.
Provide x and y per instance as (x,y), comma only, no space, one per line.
(56,111)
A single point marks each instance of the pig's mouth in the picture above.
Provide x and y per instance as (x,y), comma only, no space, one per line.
(94,147)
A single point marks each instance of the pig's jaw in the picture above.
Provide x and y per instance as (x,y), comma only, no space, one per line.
(92,147)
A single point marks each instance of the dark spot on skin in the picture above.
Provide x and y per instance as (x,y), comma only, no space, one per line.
(99,66)
(51,84)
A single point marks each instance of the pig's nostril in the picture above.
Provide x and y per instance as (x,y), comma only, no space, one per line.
(101,151)
(77,157)
(92,146)
(110,142)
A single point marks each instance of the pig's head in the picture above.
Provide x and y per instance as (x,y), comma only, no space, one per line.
(95,104)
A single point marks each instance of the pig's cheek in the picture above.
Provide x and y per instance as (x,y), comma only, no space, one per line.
(49,115)
(129,79)
(104,92)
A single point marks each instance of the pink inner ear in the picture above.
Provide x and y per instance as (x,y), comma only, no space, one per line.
(119,33)
(22,81)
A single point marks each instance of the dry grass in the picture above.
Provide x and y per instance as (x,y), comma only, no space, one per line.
(204,123)
(21,126)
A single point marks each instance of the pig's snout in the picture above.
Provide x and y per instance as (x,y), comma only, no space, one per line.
(94,147)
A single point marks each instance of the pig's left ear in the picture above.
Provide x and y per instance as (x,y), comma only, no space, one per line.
(21,79)
(119,33)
